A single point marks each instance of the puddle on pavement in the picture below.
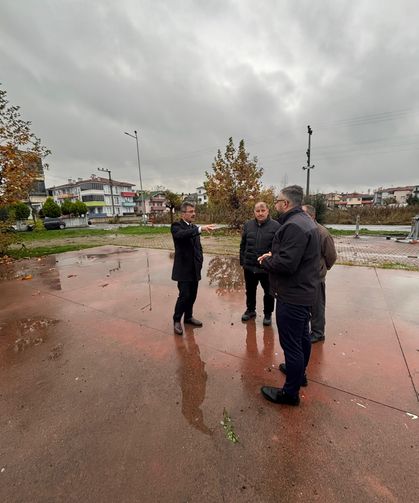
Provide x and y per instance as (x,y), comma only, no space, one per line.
(20,336)
(226,274)
(28,270)
(85,259)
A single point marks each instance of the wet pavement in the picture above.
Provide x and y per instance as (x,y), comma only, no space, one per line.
(101,402)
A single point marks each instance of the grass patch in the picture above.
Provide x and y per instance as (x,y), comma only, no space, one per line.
(364,232)
(45,250)
(140,230)
(43,234)
(383,265)
(38,235)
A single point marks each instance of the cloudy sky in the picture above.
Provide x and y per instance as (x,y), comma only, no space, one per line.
(188,74)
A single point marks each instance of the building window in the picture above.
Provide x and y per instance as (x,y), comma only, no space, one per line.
(95,197)
(91,186)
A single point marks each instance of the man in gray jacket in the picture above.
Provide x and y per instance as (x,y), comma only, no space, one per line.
(256,240)
(328,257)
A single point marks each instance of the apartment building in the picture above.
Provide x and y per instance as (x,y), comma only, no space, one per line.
(355,200)
(102,197)
(393,195)
(154,203)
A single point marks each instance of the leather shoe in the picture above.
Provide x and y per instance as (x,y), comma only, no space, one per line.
(278,395)
(316,338)
(194,322)
(282,367)
(267,320)
(177,327)
(248,315)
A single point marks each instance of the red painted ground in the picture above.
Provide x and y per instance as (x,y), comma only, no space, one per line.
(100,402)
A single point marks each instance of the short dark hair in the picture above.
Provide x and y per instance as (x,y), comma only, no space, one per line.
(294,194)
(185,205)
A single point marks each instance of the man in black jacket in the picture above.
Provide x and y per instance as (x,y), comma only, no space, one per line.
(187,264)
(293,268)
(257,237)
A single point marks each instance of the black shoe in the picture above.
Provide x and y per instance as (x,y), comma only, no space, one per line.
(194,322)
(177,327)
(248,315)
(267,320)
(278,395)
(282,367)
(316,338)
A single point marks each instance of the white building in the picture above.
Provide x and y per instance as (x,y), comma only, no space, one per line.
(96,193)
(397,195)
(202,195)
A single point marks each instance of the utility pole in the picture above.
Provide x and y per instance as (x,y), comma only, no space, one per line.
(110,183)
(308,167)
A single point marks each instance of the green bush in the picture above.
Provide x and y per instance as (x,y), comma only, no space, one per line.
(51,209)
(80,208)
(67,208)
(21,211)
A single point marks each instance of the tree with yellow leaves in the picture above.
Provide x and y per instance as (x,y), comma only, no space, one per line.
(234,186)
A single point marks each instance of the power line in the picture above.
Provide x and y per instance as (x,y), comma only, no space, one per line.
(348,122)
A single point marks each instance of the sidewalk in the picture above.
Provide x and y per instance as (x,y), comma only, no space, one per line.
(100,402)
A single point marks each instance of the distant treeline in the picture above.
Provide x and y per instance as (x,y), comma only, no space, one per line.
(372,215)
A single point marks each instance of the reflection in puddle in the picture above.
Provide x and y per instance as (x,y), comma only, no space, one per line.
(117,268)
(192,380)
(226,273)
(44,268)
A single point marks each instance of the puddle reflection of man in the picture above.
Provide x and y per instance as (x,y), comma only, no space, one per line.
(192,380)
(256,359)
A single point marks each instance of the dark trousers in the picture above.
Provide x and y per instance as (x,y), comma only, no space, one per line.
(294,337)
(252,280)
(187,296)
(318,315)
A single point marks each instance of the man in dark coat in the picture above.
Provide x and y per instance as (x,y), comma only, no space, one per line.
(187,264)
(257,237)
(293,267)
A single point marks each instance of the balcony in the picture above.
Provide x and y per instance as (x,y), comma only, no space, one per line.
(89,204)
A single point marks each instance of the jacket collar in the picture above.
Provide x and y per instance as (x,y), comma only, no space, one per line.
(285,216)
(264,222)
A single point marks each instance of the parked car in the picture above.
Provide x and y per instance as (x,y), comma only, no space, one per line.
(18,228)
(23,227)
(54,223)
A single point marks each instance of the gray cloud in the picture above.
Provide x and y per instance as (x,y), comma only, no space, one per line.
(188,75)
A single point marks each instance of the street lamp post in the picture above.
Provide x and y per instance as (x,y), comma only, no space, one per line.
(110,183)
(139,170)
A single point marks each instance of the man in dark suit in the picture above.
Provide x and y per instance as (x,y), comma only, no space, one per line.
(187,264)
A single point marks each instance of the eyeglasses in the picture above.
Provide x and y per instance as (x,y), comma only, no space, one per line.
(189,211)
(281,200)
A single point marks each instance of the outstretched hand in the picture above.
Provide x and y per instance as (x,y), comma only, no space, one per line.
(208,228)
